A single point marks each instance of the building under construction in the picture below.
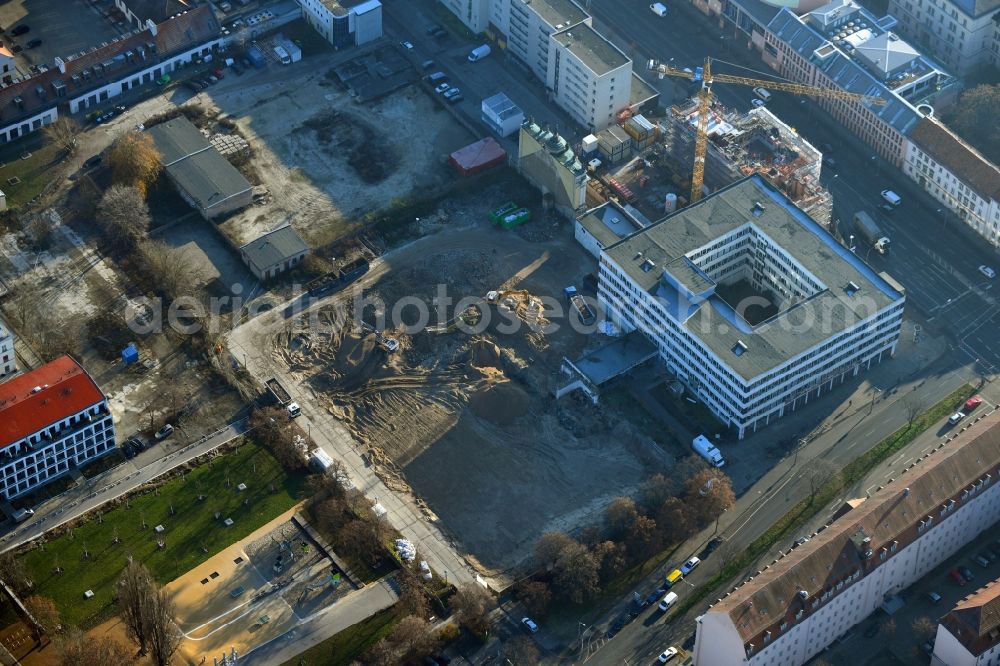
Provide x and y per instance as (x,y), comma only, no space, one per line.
(654,173)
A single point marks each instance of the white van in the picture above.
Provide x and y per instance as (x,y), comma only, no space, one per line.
(479,53)
(762,93)
(658,8)
(668,601)
(293,409)
(891,197)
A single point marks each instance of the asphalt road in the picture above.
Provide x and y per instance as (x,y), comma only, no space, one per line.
(92,493)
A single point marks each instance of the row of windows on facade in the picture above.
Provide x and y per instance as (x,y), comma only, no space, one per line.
(99,429)
(31,464)
(739,391)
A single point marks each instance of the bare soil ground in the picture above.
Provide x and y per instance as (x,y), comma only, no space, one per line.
(327,161)
(466,421)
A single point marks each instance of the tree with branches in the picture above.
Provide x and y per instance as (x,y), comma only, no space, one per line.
(550,546)
(164,637)
(620,515)
(169,268)
(536,597)
(124,216)
(78,649)
(709,493)
(62,132)
(135,591)
(819,473)
(45,613)
(472,605)
(135,161)
(923,627)
(13,573)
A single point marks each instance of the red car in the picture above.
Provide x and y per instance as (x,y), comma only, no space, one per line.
(957,577)
(972,403)
(219,74)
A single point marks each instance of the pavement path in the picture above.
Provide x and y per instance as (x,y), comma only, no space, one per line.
(92,493)
(320,626)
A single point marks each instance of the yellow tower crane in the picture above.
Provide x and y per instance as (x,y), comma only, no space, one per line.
(707,78)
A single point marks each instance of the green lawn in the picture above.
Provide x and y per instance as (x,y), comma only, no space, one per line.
(191,532)
(351,643)
(34,172)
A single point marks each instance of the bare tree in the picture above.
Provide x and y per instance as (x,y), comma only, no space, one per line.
(14,574)
(889,627)
(620,515)
(549,547)
(124,216)
(820,472)
(170,269)
(412,598)
(923,627)
(536,596)
(163,635)
(62,132)
(709,493)
(363,539)
(913,407)
(136,590)
(727,553)
(521,651)
(45,613)
(135,160)
(472,605)
(78,649)
(273,429)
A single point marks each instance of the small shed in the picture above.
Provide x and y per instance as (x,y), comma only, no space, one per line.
(479,156)
(274,252)
(502,115)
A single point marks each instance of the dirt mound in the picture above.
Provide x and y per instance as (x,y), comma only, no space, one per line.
(484,354)
(501,404)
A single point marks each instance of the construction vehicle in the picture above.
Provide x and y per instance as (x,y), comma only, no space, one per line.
(870,232)
(583,310)
(337,279)
(705,76)
(384,342)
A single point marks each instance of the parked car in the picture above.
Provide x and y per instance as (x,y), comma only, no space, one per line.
(985,270)
(981,560)
(529,624)
(136,443)
(441,88)
(934,597)
(966,573)
(972,403)
(451,92)
(33,44)
(957,577)
(219,73)
(407,45)
(22,29)
(690,565)
(105,117)
(427,64)
(711,546)
(92,161)
(668,654)
(955,418)
(164,432)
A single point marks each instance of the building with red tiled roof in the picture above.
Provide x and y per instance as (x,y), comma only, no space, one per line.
(52,419)
(797,605)
(970,634)
(87,81)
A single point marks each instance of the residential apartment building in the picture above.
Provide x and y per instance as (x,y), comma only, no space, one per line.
(588,76)
(344,23)
(962,34)
(474,14)
(82,81)
(527,25)
(876,547)
(970,634)
(818,314)
(52,419)
(957,175)
(8,357)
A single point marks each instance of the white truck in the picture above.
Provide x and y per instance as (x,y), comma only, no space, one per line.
(871,233)
(708,451)
(282,55)
(480,52)
(22,515)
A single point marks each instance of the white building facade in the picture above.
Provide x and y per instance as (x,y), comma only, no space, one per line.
(957,176)
(8,357)
(529,24)
(588,76)
(53,419)
(474,14)
(792,609)
(961,34)
(344,23)
(837,316)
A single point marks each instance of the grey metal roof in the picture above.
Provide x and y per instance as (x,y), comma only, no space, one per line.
(609,223)
(887,53)
(176,139)
(843,71)
(759,11)
(274,247)
(591,47)
(208,178)
(502,106)
(655,259)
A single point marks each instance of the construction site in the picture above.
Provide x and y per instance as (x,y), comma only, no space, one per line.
(647,165)
(460,419)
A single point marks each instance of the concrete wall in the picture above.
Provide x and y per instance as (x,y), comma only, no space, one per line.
(28,125)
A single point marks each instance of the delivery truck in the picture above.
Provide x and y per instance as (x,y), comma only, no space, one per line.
(708,451)
(871,233)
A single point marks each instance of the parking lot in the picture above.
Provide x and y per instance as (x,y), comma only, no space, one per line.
(882,639)
(65,27)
